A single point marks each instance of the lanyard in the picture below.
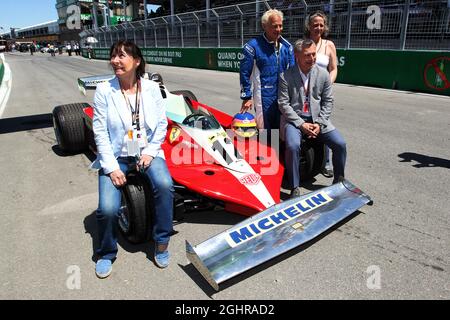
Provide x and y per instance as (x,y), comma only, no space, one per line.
(305,86)
(135,113)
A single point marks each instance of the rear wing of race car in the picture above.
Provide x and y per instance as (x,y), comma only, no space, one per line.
(90,83)
(274,231)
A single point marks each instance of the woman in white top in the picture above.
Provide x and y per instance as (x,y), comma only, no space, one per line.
(130,125)
(316,28)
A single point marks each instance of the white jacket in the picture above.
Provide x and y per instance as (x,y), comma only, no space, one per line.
(112,120)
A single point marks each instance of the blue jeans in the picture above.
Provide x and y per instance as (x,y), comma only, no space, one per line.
(332,139)
(109,204)
(327,158)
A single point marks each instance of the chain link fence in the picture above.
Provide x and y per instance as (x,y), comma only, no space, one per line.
(389,24)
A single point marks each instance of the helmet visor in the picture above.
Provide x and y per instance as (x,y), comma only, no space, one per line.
(245,131)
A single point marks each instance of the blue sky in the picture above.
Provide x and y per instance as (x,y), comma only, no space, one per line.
(25,13)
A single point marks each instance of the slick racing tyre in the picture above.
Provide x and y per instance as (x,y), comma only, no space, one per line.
(136,210)
(319,158)
(68,124)
(185,93)
(306,161)
(311,159)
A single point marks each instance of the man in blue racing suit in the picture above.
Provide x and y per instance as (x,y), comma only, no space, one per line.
(265,58)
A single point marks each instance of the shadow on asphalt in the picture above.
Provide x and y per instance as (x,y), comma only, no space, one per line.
(195,275)
(60,153)
(198,279)
(218,216)
(25,123)
(424,161)
(203,217)
(308,185)
(90,225)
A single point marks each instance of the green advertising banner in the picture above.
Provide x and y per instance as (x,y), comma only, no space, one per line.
(422,71)
(115,20)
(226,59)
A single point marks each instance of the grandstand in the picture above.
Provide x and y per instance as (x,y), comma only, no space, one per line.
(405,24)
(41,34)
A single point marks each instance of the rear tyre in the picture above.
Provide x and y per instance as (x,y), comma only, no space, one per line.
(306,161)
(319,158)
(68,123)
(136,211)
(311,159)
(185,93)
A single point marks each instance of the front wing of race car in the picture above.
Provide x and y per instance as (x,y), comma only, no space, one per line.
(274,231)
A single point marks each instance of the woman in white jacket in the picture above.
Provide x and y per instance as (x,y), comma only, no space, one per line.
(130,123)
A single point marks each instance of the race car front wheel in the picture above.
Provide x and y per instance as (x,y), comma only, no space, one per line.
(136,211)
(68,124)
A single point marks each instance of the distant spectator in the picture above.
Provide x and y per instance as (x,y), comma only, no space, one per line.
(89,51)
(51,49)
(77,48)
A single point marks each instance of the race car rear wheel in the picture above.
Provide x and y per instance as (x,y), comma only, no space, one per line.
(69,127)
(185,93)
(311,159)
(306,162)
(319,158)
(136,209)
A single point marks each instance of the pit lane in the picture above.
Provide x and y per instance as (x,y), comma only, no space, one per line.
(398,153)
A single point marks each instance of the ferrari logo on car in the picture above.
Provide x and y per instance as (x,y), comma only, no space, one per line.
(174,134)
(252,178)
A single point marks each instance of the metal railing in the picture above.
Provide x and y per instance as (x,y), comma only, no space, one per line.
(389,24)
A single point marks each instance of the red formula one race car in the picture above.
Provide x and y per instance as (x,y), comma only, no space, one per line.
(208,162)
(212,163)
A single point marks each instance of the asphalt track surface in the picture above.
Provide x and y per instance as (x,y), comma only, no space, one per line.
(398,153)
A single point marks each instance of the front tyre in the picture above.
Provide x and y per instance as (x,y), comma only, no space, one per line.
(136,209)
